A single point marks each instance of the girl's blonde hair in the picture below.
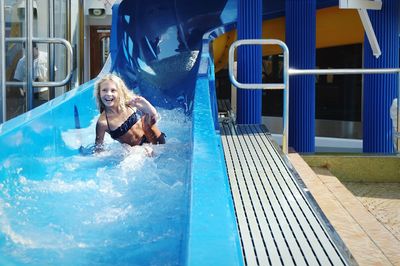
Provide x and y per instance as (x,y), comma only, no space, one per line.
(125,94)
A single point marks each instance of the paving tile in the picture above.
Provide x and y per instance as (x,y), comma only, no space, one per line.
(369,242)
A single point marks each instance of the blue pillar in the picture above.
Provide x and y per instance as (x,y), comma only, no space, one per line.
(300,39)
(380,90)
(249,58)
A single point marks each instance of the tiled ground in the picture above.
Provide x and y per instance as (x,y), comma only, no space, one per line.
(382,200)
(369,241)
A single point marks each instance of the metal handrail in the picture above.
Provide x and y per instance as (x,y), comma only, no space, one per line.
(47,83)
(267,86)
(293,72)
(343,71)
(29,83)
(352,71)
(2,65)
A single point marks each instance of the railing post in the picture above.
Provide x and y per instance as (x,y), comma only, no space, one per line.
(3,101)
(28,52)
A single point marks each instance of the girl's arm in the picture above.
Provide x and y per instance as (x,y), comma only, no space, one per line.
(100,132)
(143,105)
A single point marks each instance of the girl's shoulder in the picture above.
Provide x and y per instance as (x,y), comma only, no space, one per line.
(102,116)
(102,120)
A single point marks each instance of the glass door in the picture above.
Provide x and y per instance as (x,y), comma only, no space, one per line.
(38,33)
(15,92)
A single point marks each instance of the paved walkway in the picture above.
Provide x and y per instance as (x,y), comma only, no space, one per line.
(369,241)
(382,200)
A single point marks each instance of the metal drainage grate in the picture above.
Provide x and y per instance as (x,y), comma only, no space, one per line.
(277,224)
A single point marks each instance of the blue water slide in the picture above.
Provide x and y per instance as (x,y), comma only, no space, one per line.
(161,50)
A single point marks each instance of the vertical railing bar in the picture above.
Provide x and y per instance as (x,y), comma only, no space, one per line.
(3,100)
(51,48)
(28,52)
(285,115)
(69,37)
(81,45)
(398,115)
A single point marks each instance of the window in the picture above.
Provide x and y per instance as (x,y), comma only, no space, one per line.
(338,97)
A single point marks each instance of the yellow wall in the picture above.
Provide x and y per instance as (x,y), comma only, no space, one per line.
(335,27)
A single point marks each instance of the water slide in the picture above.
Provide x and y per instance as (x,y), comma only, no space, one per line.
(61,204)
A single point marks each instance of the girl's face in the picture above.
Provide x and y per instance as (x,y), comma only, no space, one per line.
(109,94)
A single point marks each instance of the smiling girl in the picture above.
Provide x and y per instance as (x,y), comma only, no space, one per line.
(128,118)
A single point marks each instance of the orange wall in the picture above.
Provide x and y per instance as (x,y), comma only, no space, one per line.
(335,27)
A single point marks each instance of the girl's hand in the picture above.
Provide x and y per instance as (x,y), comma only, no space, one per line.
(143,105)
(138,102)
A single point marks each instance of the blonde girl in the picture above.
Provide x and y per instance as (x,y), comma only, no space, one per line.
(120,117)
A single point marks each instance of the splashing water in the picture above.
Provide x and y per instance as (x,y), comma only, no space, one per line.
(118,207)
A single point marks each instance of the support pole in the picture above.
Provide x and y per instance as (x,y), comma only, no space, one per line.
(300,38)
(249,59)
(380,90)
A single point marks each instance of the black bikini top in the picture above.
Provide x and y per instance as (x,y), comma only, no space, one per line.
(122,129)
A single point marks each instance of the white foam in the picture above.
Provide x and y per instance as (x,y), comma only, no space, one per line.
(57,185)
(111,214)
(6,229)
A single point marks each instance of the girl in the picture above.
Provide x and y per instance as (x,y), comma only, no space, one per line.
(119,117)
